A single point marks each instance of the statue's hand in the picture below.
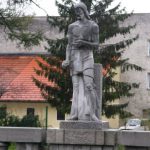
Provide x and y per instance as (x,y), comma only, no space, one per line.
(79,43)
(65,63)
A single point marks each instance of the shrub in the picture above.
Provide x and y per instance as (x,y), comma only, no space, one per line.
(30,121)
(7,119)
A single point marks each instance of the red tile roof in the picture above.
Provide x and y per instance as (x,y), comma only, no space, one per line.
(16,78)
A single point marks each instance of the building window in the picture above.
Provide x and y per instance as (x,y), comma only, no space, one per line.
(60,115)
(148,47)
(148,80)
(3,112)
(30,111)
(146,113)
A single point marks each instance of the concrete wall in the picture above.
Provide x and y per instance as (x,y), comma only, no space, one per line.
(58,139)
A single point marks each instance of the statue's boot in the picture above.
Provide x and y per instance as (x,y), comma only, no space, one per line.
(73,118)
(94,118)
(92,97)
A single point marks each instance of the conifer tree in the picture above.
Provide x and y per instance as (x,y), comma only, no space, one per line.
(16,24)
(109,56)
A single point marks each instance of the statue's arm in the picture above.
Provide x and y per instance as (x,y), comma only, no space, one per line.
(95,35)
(66,62)
(68,50)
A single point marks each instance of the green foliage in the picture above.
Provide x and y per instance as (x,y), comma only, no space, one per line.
(59,94)
(109,56)
(30,121)
(146,124)
(7,119)
(12,146)
(121,147)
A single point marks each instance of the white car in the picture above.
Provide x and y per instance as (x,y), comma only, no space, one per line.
(132,124)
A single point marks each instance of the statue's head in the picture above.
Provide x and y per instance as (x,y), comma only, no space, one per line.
(81,7)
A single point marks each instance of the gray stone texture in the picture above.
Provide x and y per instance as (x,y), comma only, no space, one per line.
(16,134)
(99,137)
(110,137)
(81,125)
(55,136)
(133,138)
(79,58)
(98,83)
(82,137)
(75,136)
(74,147)
(75,139)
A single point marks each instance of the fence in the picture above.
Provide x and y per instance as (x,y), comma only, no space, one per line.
(59,139)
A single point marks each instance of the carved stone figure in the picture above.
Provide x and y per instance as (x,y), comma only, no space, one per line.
(83,38)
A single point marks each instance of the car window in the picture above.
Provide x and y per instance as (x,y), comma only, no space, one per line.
(132,122)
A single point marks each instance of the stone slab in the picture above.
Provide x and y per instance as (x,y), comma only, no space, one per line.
(75,136)
(21,134)
(134,138)
(99,137)
(79,137)
(55,136)
(98,84)
(92,125)
(110,137)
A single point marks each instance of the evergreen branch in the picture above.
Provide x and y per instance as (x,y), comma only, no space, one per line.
(116,109)
(117,46)
(128,66)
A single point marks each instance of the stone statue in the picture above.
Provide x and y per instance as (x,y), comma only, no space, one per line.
(83,37)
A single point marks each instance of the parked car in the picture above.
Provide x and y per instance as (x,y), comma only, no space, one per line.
(132,124)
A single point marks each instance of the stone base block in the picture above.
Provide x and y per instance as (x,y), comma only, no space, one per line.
(84,125)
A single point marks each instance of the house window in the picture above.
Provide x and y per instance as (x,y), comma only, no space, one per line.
(60,115)
(148,47)
(30,111)
(148,80)
(3,112)
(146,113)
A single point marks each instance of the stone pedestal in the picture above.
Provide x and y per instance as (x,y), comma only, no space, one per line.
(84,125)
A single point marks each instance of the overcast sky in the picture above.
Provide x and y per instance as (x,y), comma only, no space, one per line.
(138,6)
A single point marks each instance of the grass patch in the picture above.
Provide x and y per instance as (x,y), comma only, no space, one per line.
(12,146)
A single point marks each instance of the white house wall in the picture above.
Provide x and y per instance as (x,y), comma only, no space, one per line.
(138,54)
